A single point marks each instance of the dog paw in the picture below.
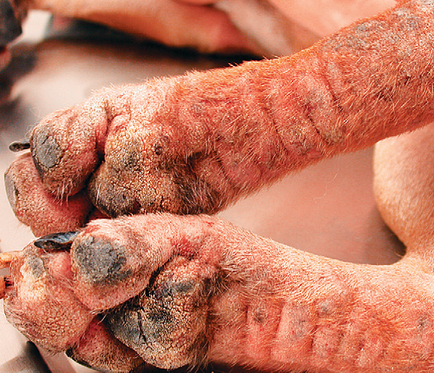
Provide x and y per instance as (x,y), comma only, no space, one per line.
(169,290)
(128,145)
(130,150)
(119,293)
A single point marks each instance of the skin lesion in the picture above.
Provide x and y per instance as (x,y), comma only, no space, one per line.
(178,289)
(200,306)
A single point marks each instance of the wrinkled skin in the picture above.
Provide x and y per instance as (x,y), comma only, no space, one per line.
(182,290)
(169,285)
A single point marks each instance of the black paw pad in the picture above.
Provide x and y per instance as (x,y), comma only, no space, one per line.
(46,151)
(101,262)
(166,323)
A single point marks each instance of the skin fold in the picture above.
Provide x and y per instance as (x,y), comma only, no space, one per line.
(163,283)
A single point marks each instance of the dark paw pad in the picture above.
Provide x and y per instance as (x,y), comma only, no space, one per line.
(101,262)
(166,323)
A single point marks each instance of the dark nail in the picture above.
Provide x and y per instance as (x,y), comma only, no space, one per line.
(56,241)
(11,190)
(10,25)
(18,146)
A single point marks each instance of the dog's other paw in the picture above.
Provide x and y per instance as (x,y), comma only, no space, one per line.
(120,293)
(161,146)
(127,151)
(175,290)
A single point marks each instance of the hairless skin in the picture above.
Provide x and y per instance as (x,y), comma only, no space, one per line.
(170,290)
(211,26)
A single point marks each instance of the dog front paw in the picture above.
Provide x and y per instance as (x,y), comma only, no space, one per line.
(119,293)
(126,150)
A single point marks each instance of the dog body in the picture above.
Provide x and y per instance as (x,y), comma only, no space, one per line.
(170,285)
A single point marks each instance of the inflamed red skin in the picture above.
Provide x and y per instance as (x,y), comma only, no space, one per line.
(171,290)
(195,143)
(177,290)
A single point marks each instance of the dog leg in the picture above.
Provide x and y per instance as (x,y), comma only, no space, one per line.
(183,290)
(166,21)
(198,142)
(267,26)
(325,17)
(404,186)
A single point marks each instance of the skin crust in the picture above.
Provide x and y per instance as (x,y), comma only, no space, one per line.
(169,286)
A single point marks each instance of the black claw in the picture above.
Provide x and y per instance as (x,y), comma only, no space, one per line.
(18,146)
(10,25)
(56,241)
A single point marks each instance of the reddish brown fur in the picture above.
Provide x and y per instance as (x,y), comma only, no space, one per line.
(238,129)
(269,306)
(235,130)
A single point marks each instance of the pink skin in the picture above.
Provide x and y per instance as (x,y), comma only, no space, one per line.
(173,23)
(199,24)
(174,290)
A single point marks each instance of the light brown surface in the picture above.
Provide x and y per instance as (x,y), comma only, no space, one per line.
(327,209)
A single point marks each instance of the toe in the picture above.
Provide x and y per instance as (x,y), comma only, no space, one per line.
(37,208)
(41,303)
(133,192)
(166,323)
(64,147)
(99,349)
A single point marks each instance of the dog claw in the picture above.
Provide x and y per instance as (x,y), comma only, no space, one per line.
(18,146)
(56,241)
